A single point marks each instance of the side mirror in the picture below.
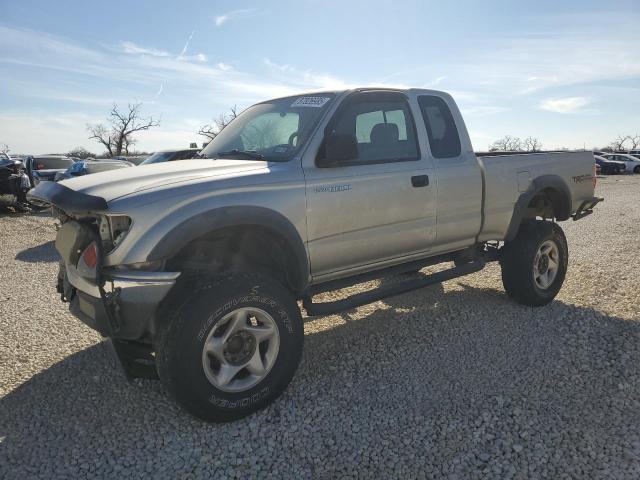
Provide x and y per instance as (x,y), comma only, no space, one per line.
(339,147)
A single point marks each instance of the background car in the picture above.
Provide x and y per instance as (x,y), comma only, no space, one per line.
(87,167)
(632,163)
(45,167)
(13,181)
(171,155)
(610,167)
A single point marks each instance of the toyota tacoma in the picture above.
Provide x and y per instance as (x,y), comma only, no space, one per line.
(198,271)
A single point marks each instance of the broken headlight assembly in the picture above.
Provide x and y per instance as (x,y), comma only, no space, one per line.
(113,229)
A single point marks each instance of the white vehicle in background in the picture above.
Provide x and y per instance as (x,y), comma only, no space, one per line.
(632,163)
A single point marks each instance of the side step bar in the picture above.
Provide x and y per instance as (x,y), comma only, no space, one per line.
(359,299)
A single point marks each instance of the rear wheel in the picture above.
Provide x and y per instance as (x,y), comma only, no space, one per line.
(637,169)
(231,347)
(534,264)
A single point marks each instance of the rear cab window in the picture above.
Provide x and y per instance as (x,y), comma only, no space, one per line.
(444,139)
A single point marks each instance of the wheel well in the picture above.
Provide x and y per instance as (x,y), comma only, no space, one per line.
(549,203)
(241,248)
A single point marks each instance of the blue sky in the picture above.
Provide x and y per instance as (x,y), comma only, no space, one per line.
(567,72)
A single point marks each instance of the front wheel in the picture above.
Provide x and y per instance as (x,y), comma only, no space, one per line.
(231,347)
(534,264)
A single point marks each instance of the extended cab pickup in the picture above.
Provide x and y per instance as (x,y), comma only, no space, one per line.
(194,269)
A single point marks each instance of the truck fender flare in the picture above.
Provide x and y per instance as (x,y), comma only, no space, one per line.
(540,183)
(211,220)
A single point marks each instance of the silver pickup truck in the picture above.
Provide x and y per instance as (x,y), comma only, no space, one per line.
(195,269)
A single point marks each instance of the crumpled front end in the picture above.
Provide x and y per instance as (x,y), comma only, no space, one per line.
(118,301)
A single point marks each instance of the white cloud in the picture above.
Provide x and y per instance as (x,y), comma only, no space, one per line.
(133,49)
(225,17)
(89,79)
(47,133)
(305,78)
(565,105)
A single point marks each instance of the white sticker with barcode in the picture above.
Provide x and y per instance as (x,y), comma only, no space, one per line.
(315,102)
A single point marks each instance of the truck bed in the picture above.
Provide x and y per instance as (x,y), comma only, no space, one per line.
(507,176)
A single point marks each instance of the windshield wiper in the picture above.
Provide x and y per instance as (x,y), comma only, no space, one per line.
(246,153)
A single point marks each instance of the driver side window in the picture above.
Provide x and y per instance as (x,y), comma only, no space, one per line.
(380,126)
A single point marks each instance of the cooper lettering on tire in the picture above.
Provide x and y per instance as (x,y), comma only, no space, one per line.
(231,347)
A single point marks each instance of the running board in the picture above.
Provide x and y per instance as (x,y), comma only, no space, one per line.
(359,299)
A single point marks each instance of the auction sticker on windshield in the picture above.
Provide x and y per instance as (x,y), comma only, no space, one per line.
(310,102)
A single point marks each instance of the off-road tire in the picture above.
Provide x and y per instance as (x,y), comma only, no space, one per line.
(184,330)
(517,261)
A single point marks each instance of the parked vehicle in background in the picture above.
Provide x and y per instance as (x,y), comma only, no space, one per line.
(18,157)
(610,167)
(631,162)
(45,167)
(14,181)
(198,266)
(87,167)
(171,155)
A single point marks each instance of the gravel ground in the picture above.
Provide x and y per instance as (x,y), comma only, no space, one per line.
(453,381)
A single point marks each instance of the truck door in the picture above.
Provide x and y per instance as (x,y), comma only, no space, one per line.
(379,205)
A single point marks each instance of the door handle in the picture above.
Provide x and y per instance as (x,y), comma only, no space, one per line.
(420,180)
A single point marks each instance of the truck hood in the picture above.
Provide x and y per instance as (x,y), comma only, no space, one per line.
(114,184)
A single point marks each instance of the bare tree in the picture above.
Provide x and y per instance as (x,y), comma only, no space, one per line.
(532,144)
(211,130)
(619,143)
(635,141)
(80,152)
(4,148)
(506,144)
(116,137)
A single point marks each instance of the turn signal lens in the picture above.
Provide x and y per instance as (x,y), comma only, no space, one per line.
(90,256)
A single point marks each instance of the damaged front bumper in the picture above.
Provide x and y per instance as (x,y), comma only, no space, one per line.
(121,304)
(128,308)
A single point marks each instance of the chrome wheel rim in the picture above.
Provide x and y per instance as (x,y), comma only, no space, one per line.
(546,264)
(241,349)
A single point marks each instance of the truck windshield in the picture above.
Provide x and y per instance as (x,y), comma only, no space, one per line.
(273,131)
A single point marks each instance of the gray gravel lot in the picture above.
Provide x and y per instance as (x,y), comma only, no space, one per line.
(454,381)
